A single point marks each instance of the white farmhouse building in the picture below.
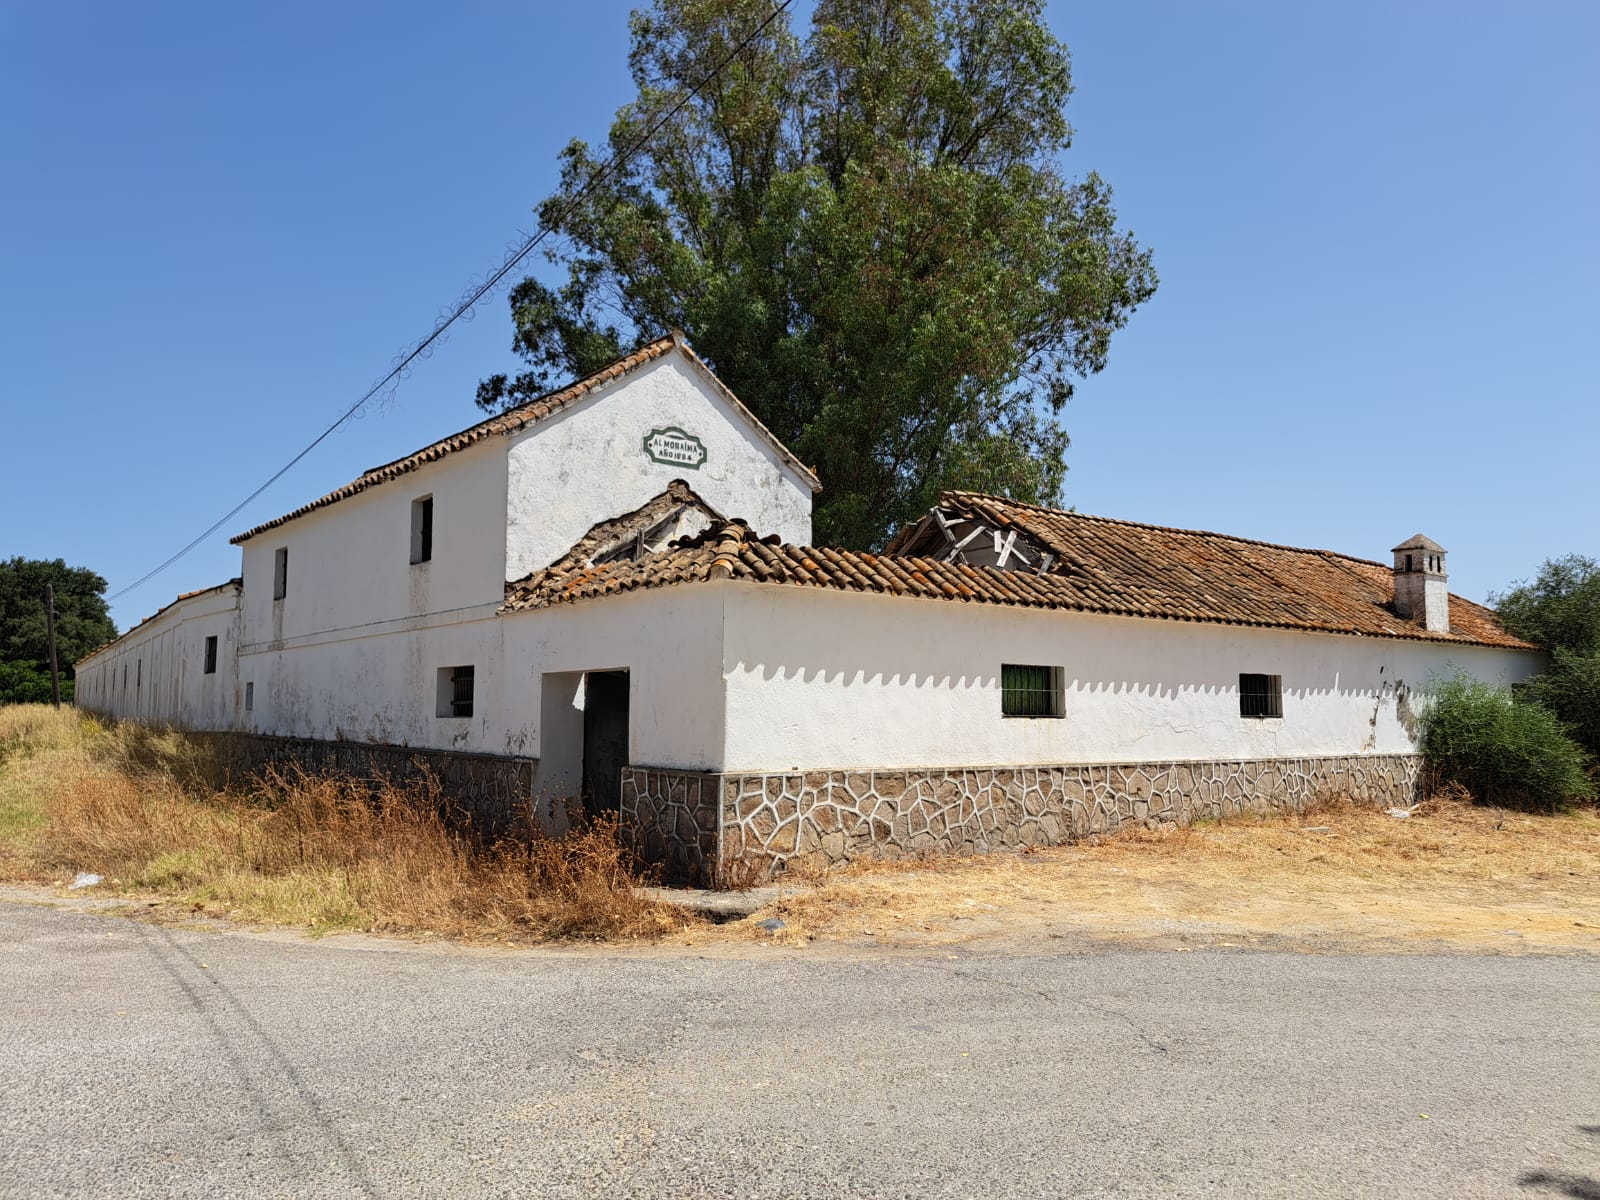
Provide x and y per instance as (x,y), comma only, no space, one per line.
(608,593)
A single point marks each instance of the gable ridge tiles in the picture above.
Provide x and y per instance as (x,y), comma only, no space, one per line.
(514,420)
(236,584)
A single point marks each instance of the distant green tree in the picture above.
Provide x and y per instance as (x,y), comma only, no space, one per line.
(1560,610)
(26,683)
(868,234)
(82,623)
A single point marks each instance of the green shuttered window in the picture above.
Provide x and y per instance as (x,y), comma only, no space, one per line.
(1030,691)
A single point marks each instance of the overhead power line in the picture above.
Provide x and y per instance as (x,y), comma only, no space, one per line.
(470,301)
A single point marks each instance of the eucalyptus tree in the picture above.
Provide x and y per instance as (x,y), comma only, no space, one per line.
(869,233)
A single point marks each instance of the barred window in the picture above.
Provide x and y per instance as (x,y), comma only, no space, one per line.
(455,691)
(211,656)
(280,572)
(1031,691)
(1261,695)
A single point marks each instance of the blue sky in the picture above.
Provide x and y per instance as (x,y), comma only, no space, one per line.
(1375,226)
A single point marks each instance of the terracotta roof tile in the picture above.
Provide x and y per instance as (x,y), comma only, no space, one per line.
(1103,566)
(516,419)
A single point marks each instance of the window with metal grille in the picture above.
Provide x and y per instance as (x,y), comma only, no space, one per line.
(280,573)
(1261,695)
(1027,691)
(455,691)
(211,656)
(422,530)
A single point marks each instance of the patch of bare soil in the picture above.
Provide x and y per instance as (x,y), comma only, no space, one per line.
(1450,876)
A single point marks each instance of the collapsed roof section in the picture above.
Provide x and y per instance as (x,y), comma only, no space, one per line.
(989,550)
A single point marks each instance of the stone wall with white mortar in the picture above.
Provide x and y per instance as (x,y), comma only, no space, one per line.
(735,830)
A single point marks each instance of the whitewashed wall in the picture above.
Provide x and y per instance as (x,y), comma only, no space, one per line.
(382,686)
(818,679)
(156,673)
(587,463)
(668,640)
(350,563)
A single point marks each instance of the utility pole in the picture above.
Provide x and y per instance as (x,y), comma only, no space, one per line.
(50,624)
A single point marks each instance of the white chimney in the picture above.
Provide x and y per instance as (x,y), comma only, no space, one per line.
(1420,593)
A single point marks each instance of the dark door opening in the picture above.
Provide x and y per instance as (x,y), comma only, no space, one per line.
(605,740)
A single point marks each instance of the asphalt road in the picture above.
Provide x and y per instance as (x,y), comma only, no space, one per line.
(137,1060)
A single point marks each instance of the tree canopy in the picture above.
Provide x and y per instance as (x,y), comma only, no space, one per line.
(82,623)
(1560,610)
(866,231)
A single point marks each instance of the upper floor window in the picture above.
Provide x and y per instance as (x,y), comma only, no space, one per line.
(422,530)
(211,656)
(1260,695)
(280,572)
(1031,691)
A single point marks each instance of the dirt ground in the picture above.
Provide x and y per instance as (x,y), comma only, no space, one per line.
(1450,876)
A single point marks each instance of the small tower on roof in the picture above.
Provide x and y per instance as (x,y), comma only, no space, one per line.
(1420,591)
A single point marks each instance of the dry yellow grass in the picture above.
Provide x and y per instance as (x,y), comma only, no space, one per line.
(313,851)
(1336,877)
(144,809)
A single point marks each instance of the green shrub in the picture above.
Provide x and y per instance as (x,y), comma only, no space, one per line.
(1571,690)
(1505,751)
(1560,610)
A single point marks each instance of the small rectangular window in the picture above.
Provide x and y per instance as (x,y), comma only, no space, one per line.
(249,697)
(138,674)
(1027,691)
(422,530)
(454,694)
(211,656)
(280,573)
(1261,695)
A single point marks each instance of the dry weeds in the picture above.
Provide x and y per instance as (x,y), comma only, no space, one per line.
(143,808)
(319,852)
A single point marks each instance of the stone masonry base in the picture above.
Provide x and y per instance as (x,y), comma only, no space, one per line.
(727,830)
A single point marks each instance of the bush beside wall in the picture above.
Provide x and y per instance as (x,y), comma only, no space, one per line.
(1504,750)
